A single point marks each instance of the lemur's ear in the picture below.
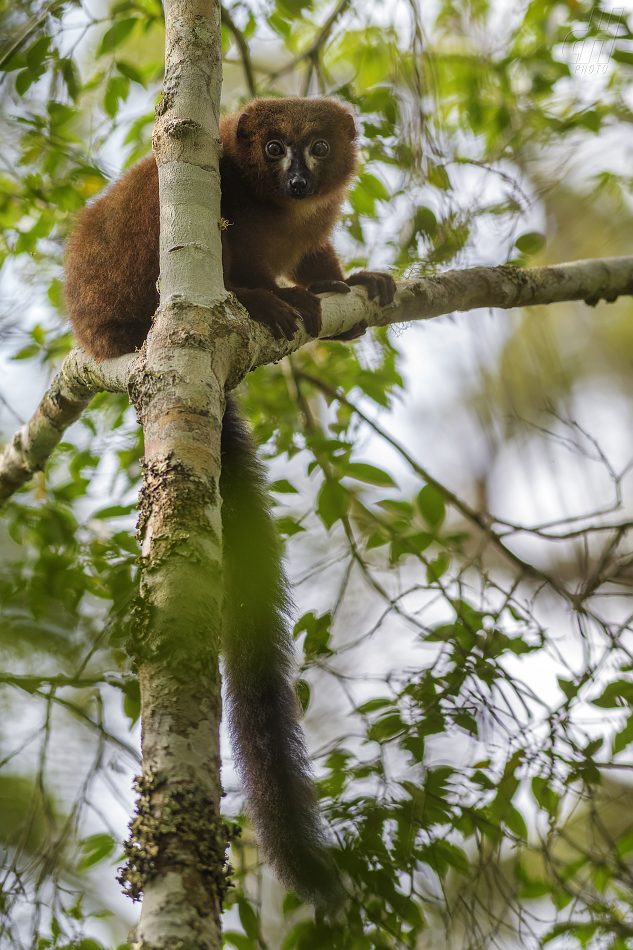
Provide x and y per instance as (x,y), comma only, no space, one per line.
(242,125)
(349,124)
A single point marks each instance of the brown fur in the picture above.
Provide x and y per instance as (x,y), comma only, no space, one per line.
(112,257)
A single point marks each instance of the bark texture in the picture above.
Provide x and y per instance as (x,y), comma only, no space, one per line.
(177,848)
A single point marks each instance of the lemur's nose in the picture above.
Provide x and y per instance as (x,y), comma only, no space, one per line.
(298,185)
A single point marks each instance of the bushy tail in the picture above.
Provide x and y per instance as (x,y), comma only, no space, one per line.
(268,742)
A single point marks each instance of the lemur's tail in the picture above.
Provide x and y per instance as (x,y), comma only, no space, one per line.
(267,739)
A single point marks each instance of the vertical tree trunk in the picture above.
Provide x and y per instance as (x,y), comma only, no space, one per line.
(177,849)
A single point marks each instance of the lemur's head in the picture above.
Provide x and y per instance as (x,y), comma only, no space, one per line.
(297,149)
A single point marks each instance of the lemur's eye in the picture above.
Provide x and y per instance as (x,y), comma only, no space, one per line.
(275,149)
(320,148)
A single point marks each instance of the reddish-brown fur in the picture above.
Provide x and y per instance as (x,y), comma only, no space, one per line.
(112,257)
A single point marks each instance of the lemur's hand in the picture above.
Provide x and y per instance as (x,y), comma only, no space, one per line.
(378,284)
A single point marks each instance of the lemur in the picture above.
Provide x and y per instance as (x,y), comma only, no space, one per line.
(285,168)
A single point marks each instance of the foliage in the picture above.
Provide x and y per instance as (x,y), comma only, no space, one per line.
(478,687)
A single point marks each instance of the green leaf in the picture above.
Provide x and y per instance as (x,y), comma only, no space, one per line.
(618,693)
(376,540)
(25,79)
(29,684)
(624,56)
(70,76)
(115,511)
(288,526)
(294,8)
(442,855)
(471,618)
(438,177)
(515,821)
(291,903)
(17,61)
(415,745)
(55,293)
(545,795)
(425,222)
(403,509)
(317,630)
(248,919)
(593,746)
(117,90)
(304,694)
(386,728)
(367,192)
(333,502)
(436,568)
(569,689)
(467,722)
(38,52)
(531,888)
(95,849)
(374,187)
(591,120)
(132,701)
(363,472)
(280,25)
(625,842)
(235,939)
(530,243)
(32,349)
(431,506)
(373,705)
(419,541)
(284,486)
(116,35)
(130,72)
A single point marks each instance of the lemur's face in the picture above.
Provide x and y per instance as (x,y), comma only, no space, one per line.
(298,167)
(298,148)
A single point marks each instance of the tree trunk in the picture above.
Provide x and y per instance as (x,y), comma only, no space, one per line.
(177,848)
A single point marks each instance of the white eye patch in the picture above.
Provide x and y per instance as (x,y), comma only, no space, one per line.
(311,161)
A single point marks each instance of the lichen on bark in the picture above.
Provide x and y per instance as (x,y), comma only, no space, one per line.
(178,827)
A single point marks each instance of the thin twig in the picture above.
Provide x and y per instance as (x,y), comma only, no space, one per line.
(14,44)
(243,49)
(317,44)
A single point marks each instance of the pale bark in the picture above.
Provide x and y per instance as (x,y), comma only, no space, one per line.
(177,850)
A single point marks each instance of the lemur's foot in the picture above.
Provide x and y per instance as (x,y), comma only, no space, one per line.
(280,317)
(306,304)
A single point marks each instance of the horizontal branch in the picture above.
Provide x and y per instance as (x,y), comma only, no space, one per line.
(70,393)
(507,286)
(503,287)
